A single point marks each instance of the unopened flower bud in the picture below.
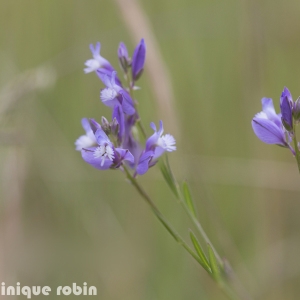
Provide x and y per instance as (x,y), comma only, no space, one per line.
(105,125)
(138,60)
(286,107)
(296,110)
(123,57)
(114,125)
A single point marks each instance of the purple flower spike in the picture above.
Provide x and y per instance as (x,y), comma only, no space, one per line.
(267,125)
(138,60)
(123,57)
(97,61)
(87,140)
(286,107)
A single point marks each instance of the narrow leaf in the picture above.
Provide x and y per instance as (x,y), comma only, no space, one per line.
(168,175)
(214,263)
(203,260)
(188,199)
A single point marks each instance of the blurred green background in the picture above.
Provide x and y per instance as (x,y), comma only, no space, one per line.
(61,221)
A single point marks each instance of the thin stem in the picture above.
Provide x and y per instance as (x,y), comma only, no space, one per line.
(296,146)
(159,215)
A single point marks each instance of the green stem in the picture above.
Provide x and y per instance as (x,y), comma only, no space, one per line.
(297,152)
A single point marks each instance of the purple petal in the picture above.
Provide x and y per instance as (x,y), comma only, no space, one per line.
(86,124)
(122,51)
(102,73)
(151,141)
(153,126)
(144,161)
(94,125)
(88,156)
(268,132)
(138,60)
(161,128)
(101,137)
(159,151)
(286,94)
(123,57)
(95,50)
(124,154)
(127,103)
(268,107)
(286,114)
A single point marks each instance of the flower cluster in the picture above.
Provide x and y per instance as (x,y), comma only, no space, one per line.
(110,144)
(274,128)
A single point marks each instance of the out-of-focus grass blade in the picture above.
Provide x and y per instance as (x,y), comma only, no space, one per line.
(214,263)
(168,175)
(188,199)
(203,260)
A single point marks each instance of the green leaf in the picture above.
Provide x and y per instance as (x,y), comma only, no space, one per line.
(214,263)
(169,177)
(202,258)
(188,199)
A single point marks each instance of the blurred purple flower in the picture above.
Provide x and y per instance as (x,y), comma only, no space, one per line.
(97,61)
(267,125)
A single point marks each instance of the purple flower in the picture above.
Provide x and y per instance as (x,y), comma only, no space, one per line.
(87,140)
(105,156)
(160,143)
(267,125)
(138,60)
(156,145)
(123,57)
(286,107)
(97,61)
(114,94)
